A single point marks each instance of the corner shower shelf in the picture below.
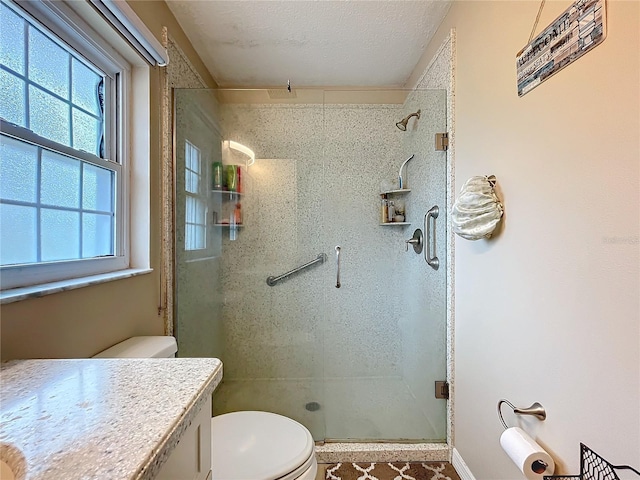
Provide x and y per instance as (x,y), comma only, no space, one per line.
(400,191)
(231,194)
(225,209)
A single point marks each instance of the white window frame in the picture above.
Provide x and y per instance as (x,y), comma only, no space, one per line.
(64,23)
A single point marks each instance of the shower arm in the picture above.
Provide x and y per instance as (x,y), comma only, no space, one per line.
(400,182)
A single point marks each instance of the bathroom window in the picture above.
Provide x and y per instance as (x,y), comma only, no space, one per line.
(195,237)
(62,169)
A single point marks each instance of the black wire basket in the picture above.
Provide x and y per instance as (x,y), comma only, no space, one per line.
(593,467)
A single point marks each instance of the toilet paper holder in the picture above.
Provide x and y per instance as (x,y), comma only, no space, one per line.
(536,410)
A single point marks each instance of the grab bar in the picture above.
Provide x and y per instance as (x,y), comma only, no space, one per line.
(431,214)
(321,258)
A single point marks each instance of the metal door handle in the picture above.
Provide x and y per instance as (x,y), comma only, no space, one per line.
(338,263)
(431,214)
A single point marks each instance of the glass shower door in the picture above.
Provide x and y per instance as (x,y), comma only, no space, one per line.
(385,328)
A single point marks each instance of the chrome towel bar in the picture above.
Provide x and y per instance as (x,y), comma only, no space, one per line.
(271,281)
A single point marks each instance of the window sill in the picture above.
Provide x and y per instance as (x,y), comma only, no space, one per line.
(24,293)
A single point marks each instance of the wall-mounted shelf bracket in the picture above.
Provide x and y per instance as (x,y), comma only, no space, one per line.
(442,141)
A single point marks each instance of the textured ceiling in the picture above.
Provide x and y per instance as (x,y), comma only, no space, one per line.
(320,43)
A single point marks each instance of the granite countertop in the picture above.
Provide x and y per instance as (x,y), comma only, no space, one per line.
(99,419)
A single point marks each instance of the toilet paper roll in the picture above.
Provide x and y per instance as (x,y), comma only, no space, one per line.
(528,456)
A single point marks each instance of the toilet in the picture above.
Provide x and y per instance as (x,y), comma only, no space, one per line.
(244,445)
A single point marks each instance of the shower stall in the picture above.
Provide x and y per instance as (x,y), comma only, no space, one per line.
(354,363)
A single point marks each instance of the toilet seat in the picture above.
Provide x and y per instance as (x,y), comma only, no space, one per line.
(260,446)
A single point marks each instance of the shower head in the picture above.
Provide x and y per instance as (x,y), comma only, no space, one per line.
(402,124)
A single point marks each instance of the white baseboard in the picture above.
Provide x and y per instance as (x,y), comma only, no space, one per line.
(460,466)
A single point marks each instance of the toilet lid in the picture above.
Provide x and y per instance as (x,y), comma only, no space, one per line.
(258,445)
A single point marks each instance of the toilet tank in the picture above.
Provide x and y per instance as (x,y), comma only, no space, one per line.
(142,347)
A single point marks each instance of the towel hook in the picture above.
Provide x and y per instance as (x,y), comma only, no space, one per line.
(536,410)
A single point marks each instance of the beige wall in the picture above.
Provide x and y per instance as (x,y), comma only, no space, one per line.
(156,15)
(81,322)
(548,311)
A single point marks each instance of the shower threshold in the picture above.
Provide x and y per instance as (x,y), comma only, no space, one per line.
(332,452)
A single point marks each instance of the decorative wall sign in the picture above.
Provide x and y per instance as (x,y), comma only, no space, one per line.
(580,28)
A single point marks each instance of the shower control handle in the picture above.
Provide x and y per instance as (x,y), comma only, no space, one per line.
(416,241)
(338,264)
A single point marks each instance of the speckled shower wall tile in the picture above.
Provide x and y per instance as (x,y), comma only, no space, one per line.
(363,148)
(278,341)
(275,131)
(437,75)
(181,72)
(367,159)
(272,339)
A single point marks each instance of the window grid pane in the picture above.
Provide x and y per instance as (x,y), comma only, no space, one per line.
(98,189)
(49,116)
(18,170)
(58,90)
(60,180)
(12,99)
(60,235)
(97,235)
(84,86)
(12,41)
(18,234)
(48,64)
(71,214)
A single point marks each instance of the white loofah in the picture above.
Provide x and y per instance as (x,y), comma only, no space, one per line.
(477,210)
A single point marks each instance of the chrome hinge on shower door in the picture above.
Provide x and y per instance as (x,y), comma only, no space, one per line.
(442,141)
(442,389)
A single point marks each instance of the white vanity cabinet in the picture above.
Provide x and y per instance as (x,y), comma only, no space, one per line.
(191,458)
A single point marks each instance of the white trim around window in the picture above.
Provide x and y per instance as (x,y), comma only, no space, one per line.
(126,22)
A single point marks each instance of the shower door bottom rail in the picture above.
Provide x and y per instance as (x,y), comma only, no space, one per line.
(321,258)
